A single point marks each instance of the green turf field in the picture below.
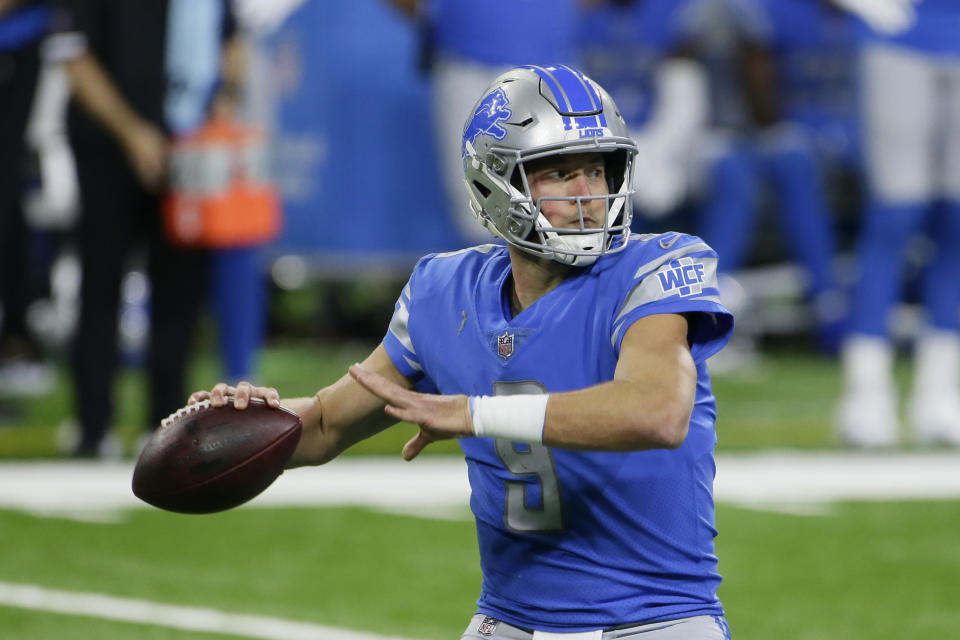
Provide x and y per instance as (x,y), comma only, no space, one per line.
(861,571)
(866,571)
(787,400)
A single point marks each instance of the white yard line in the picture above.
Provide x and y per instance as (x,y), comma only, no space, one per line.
(791,481)
(437,486)
(98,605)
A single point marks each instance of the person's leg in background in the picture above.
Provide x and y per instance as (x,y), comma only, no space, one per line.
(729,214)
(107,226)
(899,116)
(239,303)
(178,289)
(935,397)
(934,408)
(19,71)
(868,414)
(804,217)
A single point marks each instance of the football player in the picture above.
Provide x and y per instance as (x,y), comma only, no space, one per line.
(645,53)
(571,364)
(911,111)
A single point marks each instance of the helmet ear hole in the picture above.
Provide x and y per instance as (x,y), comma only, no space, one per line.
(484,191)
(516,180)
(615,168)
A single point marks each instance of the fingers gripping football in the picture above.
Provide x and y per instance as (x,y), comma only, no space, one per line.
(439,416)
(241,395)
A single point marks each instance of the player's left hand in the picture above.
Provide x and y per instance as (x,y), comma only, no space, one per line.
(439,416)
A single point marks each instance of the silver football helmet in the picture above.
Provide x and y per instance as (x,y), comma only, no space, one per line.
(533,112)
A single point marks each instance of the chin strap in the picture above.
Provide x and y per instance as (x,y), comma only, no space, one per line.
(585,249)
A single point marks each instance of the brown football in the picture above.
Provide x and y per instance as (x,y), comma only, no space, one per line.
(205,459)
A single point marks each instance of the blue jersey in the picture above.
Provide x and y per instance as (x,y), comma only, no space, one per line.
(621,47)
(505,32)
(574,540)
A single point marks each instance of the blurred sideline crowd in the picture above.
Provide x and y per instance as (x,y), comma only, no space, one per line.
(815,144)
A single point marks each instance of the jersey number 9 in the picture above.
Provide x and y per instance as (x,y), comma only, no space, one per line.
(525,461)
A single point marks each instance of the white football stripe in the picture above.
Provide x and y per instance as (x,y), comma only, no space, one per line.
(438,487)
(98,605)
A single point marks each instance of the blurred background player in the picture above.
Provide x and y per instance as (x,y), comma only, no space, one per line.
(23,26)
(239,311)
(804,75)
(586,415)
(645,53)
(781,82)
(910,78)
(132,86)
(461,58)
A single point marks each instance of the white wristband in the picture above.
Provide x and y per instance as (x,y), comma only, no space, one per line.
(517,418)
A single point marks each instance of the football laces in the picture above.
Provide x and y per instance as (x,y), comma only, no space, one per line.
(184,411)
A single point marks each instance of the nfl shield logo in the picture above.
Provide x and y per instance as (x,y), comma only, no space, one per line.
(505,345)
(487,626)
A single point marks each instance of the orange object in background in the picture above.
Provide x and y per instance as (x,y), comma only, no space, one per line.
(220,192)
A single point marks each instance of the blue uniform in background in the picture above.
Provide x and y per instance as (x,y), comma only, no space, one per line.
(471,43)
(574,540)
(815,52)
(811,48)
(894,215)
(622,46)
(515,31)
(910,86)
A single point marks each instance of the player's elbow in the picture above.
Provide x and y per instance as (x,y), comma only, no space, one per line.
(674,432)
(666,427)
(671,414)
(658,420)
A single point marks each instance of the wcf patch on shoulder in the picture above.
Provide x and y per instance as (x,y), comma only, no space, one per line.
(683,276)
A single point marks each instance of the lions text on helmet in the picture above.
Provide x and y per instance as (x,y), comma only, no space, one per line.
(547,162)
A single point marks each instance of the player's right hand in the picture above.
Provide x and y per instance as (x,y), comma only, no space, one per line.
(439,416)
(241,395)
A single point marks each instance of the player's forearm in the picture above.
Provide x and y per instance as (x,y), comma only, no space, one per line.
(620,416)
(310,449)
(303,407)
(342,414)
(615,416)
(333,420)
(646,406)
(99,96)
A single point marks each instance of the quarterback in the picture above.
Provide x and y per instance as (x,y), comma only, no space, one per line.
(570,361)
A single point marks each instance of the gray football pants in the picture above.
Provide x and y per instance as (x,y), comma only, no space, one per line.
(482,627)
